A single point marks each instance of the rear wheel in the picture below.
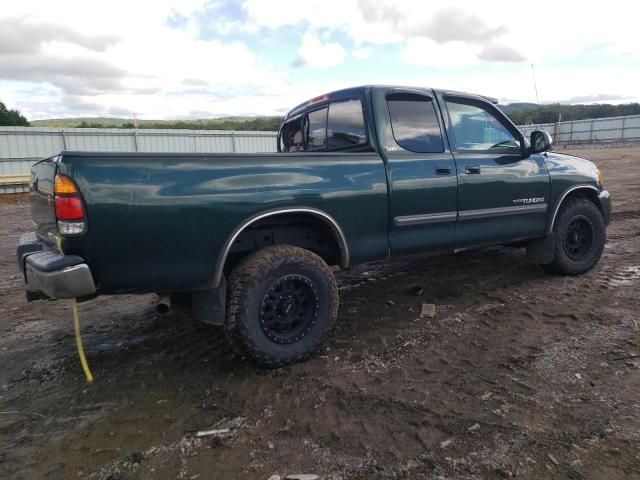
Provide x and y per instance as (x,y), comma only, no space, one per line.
(580,236)
(283,300)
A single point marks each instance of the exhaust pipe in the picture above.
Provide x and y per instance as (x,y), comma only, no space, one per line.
(164,303)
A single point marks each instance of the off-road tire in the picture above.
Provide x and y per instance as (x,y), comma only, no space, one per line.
(577,211)
(251,285)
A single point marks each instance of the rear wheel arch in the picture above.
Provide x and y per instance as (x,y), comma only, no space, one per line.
(336,249)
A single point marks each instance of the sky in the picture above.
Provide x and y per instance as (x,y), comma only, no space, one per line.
(181,59)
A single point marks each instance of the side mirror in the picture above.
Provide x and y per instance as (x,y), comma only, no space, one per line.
(541,141)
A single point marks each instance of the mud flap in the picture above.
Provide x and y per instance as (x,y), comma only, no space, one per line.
(541,250)
(209,306)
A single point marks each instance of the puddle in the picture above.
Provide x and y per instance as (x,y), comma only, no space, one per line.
(625,276)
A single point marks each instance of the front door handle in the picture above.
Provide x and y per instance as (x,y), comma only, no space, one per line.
(472,168)
(442,169)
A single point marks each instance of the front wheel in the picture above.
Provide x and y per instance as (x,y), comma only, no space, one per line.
(580,236)
(283,300)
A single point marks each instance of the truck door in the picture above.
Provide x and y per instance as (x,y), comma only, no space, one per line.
(421,171)
(502,193)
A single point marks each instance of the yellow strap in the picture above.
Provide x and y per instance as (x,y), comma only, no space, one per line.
(76,323)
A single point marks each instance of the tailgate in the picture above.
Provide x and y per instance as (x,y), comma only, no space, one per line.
(42,206)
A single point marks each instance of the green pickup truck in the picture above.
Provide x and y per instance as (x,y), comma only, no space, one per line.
(361,174)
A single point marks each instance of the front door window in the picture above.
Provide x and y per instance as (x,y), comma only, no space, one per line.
(477,129)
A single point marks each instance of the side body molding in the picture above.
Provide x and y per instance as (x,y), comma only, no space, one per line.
(325,217)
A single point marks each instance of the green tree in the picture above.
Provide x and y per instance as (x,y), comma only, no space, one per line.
(526,113)
(12,118)
(86,124)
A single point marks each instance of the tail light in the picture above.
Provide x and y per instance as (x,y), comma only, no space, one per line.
(68,206)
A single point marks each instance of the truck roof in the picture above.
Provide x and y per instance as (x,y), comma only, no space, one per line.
(352,92)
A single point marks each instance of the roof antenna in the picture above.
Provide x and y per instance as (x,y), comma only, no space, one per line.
(535,85)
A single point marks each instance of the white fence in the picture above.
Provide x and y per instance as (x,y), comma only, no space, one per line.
(597,130)
(20,147)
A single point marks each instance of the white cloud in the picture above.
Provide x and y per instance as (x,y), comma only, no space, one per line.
(123,55)
(59,59)
(361,52)
(427,53)
(274,14)
(316,54)
(494,30)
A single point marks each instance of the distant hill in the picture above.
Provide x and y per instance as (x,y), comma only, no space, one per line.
(520,114)
(524,113)
(518,107)
(227,123)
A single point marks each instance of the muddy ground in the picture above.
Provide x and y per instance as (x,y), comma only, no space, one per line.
(518,374)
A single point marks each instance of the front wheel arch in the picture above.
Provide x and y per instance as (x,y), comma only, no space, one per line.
(578,191)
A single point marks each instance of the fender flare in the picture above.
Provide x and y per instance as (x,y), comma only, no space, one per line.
(562,199)
(325,217)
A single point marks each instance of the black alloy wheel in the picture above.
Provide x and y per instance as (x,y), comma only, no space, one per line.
(282,302)
(289,309)
(579,235)
(578,238)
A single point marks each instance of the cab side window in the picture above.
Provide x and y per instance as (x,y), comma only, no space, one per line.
(291,135)
(414,122)
(317,130)
(477,129)
(345,125)
(338,126)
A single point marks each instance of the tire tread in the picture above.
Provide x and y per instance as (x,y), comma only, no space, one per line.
(561,265)
(246,277)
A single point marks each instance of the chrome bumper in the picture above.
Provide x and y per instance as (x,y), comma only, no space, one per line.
(48,272)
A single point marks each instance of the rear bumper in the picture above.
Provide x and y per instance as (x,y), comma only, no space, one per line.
(605,205)
(50,273)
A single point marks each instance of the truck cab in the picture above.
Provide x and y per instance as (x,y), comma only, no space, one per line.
(460,173)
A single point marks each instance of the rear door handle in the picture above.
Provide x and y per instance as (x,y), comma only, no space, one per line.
(443,169)
(472,168)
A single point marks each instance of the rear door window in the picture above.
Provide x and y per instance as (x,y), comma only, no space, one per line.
(291,136)
(415,123)
(345,125)
(334,127)
(317,130)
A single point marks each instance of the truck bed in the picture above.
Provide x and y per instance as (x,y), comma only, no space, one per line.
(157,222)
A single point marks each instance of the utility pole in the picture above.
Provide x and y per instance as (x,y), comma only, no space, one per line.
(535,85)
(136,143)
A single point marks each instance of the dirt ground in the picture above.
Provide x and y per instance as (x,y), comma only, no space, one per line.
(518,374)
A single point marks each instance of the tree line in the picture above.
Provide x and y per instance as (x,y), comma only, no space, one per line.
(520,114)
(264,124)
(12,118)
(552,112)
